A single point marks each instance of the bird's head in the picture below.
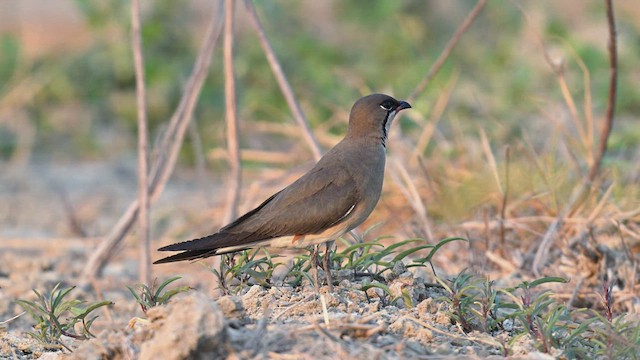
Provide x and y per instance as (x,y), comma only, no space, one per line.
(371,116)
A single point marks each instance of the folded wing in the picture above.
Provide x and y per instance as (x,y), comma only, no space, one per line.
(322,198)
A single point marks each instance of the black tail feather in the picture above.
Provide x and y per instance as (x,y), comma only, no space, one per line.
(187,255)
(216,241)
(204,243)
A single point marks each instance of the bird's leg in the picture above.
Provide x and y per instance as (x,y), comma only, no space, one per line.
(314,267)
(327,265)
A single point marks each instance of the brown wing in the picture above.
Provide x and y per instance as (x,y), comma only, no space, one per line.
(318,200)
(308,206)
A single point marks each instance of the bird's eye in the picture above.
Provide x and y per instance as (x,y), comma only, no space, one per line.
(387,105)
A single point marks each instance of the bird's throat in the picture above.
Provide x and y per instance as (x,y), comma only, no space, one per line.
(386,124)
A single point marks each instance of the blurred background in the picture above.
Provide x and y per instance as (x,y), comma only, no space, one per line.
(68,112)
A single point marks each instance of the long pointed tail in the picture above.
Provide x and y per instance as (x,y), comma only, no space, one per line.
(187,255)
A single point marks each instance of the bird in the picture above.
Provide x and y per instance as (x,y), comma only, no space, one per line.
(331,199)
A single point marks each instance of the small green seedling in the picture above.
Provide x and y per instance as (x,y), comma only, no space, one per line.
(149,297)
(537,312)
(56,317)
(461,296)
(238,270)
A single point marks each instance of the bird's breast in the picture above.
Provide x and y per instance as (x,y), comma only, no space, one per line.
(368,173)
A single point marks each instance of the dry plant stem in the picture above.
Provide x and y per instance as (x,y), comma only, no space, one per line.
(181,118)
(486,147)
(198,151)
(504,190)
(611,100)
(521,222)
(428,128)
(629,254)
(571,105)
(409,190)
(97,289)
(585,187)
(72,215)
(447,50)
(261,156)
(505,195)
(575,292)
(4,322)
(296,110)
(451,335)
(233,147)
(547,239)
(503,263)
(143,149)
(585,136)
(296,304)
(169,148)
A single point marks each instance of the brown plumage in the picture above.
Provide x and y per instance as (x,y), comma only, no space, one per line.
(331,199)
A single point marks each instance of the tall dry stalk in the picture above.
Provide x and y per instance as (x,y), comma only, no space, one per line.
(607,125)
(169,147)
(582,191)
(234,184)
(144,233)
(296,110)
(444,55)
(505,195)
(404,181)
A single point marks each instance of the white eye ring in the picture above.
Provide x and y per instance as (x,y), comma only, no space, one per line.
(384,108)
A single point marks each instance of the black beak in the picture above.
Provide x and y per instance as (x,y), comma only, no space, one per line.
(403,105)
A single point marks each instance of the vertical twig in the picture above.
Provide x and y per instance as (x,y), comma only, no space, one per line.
(235,174)
(172,141)
(558,67)
(486,147)
(143,148)
(409,190)
(198,151)
(75,225)
(582,191)
(611,101)
(170,145)
(296,110)
(505,194)
(434,118)
(447,49)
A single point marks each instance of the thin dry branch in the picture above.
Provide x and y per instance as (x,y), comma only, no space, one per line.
(402,178)
(611,100)
(260,156)
(505,195)
(429,127)
(447,49)
(198,151)
(168,149)
(296,110)
(585,133)
(144,236)
(233,146)
(580,193)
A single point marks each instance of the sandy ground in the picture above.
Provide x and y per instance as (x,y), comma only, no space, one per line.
(52,217)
